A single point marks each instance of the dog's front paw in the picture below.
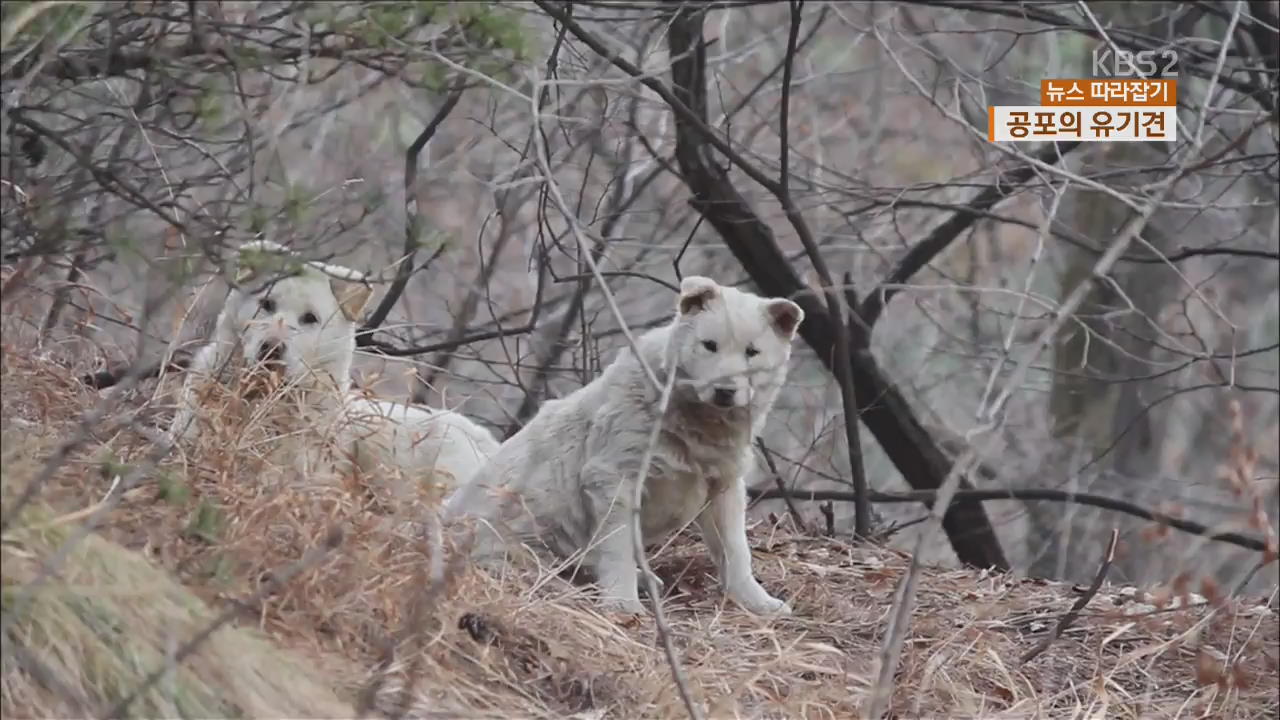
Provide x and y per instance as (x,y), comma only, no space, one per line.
(759,602)
(630,606)
(773,606)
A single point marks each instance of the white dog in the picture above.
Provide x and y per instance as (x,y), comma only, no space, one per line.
(565,482)
(298,321)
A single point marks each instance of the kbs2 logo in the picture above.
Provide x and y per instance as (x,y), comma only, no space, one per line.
(1113,62)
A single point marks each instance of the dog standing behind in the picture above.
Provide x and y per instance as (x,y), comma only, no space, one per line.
(291,325)
(565,482)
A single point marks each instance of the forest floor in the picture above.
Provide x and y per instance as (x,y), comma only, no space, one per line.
(317,609)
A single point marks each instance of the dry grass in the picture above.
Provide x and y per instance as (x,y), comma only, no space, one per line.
(110,618)
(204,532)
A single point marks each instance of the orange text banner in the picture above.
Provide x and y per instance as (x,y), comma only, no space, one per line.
(1095,92)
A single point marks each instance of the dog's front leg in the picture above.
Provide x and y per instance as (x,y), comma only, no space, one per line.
(723,525)
(612,553)
(617,574)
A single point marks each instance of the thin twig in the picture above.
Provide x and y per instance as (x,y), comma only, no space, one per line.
(637,539)
(1088,595)
(620,199)
(782,489)
(946,232)
(506,231)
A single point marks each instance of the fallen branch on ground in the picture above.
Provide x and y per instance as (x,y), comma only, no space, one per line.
(1080,602)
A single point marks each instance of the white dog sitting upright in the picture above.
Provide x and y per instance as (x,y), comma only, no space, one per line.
(298,320)
(565,482)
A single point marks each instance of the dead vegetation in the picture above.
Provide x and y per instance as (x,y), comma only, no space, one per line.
(206,535)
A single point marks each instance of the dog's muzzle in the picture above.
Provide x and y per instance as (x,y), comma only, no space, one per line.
(271,354)
(723,397)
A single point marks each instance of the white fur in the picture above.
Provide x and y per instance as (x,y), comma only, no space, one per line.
(565,482)
(312,310)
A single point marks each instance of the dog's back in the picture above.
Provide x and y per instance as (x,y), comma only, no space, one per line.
(534,472)
(443,444)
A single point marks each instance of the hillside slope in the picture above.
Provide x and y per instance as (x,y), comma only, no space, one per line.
(215,530)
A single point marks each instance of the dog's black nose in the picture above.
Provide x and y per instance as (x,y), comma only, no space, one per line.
(723,397)
(271,352)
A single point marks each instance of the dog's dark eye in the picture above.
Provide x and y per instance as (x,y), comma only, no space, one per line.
(710,345)
(267,304)
(752,351)
(309,318)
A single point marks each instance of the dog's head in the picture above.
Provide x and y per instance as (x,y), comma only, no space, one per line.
(294,317)
(731,344)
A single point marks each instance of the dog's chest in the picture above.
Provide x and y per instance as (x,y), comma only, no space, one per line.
(682,479)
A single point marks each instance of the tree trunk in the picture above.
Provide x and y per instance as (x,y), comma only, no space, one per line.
(1096,407)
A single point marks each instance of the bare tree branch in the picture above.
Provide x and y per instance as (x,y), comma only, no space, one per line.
(412,225)
(949,230)
(1028,495)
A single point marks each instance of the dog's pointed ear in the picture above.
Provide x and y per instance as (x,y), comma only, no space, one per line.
(257,255)
(785,316)
(695,293)
(352,296)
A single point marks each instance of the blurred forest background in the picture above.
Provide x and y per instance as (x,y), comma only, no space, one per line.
(490,163)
